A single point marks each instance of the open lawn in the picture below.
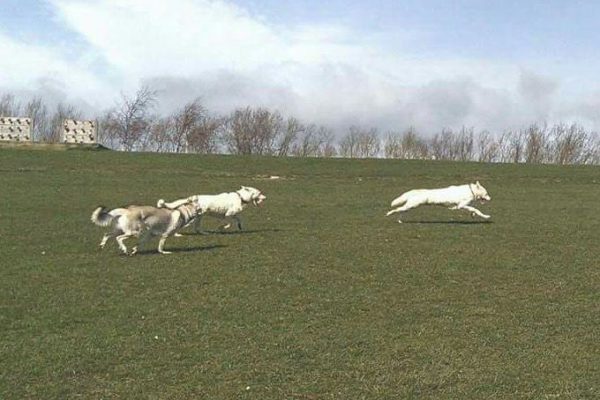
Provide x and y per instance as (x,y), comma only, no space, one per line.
(321,297)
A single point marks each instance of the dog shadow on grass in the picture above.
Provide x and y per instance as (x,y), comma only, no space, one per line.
(449,222)
(236,232)
(182,250)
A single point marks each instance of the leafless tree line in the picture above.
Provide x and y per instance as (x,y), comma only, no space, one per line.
(133,125)
(537,144)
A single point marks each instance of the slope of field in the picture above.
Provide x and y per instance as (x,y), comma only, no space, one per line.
(321,297)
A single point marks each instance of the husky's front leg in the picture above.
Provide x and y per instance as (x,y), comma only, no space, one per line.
(473,210)
(177,234)
(120,241)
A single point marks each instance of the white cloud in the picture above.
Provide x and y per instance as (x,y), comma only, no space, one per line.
(327,74)
(29,69)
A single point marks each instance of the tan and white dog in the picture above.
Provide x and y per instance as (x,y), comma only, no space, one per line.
(143,222)
(454,197)
(223,206)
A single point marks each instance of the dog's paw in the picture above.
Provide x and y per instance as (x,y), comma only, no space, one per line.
(399,221)
(177,234)
(486,216)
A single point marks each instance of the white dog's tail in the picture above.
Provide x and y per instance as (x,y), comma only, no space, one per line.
(102,217)
(398,201)
(175,204)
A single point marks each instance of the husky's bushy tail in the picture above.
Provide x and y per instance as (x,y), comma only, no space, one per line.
(102,216)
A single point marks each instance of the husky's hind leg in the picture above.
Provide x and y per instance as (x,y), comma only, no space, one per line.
(120,241)
(107,236)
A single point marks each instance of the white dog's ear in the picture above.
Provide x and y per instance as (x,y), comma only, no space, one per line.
(478,184)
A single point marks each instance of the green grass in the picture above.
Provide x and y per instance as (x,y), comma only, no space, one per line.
(322,297)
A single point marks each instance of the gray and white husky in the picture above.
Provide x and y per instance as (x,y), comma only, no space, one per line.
(143,222)
(454,197)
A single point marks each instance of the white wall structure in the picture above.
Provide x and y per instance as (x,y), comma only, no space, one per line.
(15,129)
(75,131)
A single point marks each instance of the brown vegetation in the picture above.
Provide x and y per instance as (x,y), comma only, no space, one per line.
(133,125)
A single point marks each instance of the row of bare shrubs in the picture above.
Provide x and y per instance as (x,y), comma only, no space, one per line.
(132,125)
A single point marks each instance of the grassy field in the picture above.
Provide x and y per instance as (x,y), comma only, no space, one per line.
(321,297)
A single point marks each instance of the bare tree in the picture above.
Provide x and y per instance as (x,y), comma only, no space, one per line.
(348,144)
(203,138)
(9,106)
(392,146)
(327,146)
(159,135)
(594,149)
(314,141)
(511,146)
(369,144)
(252,131)
(442,145)
(130,120)
(536,144)
(487,147)
(570,144)
(38,112)
(288,135)
(406,146)
(517,144)
(360,143)
(184,122)
(463,145)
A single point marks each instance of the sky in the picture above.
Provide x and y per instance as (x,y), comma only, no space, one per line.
(390,64)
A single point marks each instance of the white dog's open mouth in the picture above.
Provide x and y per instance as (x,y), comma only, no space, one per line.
(257,202)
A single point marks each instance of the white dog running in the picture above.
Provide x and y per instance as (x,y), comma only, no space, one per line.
(222,206)
(455,197)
